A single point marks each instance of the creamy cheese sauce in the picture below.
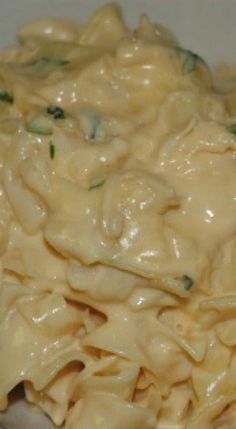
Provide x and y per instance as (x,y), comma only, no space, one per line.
(117,227)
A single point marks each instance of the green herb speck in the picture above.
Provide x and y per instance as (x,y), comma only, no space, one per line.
(188,282)
(232,129)
(52,150)
(189,59)
(56,111)
(6,97)
(44,61)
(95,123)
(97,184)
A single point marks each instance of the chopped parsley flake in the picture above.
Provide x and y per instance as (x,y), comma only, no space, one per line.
(44,61)
(97,184)
(6,97)
(52,150)
(95,123)
(188,282)
(189,59)
(56,111)
(232,129)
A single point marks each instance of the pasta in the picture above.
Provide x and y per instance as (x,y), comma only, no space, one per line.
(117,227)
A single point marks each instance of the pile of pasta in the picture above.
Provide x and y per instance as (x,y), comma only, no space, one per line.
(117,227)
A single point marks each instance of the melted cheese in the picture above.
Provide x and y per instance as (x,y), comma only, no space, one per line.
(117,227)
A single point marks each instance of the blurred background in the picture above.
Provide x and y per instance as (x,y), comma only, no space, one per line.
(205,26)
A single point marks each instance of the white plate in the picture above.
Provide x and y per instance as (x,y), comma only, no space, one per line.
(205,26)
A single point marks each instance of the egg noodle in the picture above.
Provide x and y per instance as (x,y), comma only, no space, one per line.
(117,227)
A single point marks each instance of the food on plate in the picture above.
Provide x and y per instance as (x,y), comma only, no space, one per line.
(117,227)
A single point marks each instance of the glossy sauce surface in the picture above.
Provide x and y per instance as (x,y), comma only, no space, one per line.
(117,227)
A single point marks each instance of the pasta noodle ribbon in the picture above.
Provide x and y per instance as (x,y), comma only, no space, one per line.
(117,228)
